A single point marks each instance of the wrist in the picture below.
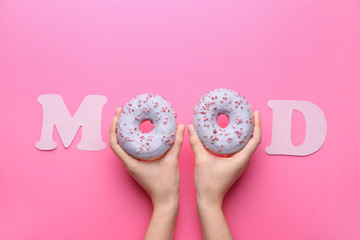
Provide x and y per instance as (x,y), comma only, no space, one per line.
(208,203)
(170,203)
(163,219)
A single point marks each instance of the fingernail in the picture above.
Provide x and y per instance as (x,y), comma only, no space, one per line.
(190,127)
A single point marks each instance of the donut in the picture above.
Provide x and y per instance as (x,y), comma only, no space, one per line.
(151,145)
(236,134)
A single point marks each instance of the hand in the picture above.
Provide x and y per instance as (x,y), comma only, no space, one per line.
(159,178)
(214,176)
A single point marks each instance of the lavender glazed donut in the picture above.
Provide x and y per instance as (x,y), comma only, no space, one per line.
(236,134)
(155,143)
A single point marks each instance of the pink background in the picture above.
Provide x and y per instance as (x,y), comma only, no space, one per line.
(290,50)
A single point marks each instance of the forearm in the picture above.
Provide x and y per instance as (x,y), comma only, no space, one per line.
(163,221)
(212,221)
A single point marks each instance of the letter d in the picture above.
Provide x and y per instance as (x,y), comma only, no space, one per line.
(316,128)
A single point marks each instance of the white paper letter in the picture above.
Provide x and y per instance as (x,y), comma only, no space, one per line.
(88,116)
(316,128)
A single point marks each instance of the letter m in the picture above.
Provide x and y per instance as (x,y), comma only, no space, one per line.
(88,116)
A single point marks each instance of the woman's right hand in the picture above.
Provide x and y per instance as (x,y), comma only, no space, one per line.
(214,176)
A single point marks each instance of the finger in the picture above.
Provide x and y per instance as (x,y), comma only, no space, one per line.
(255,139)
(252,109)
(179,138)
(114,144)
(196,145)
(112,134)
(118,111)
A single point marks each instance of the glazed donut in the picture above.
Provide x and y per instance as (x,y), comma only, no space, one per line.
(236,134)
(151,145)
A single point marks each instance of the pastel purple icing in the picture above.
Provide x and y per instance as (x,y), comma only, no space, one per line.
(236,134)
(155,143)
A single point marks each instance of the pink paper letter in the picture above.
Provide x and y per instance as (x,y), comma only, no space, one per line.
(88,116)
(316,128)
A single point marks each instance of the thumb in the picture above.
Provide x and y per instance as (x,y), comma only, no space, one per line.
(179,137)
(196,145)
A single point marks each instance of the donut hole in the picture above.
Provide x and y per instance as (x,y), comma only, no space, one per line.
(222,120)
(146,126)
